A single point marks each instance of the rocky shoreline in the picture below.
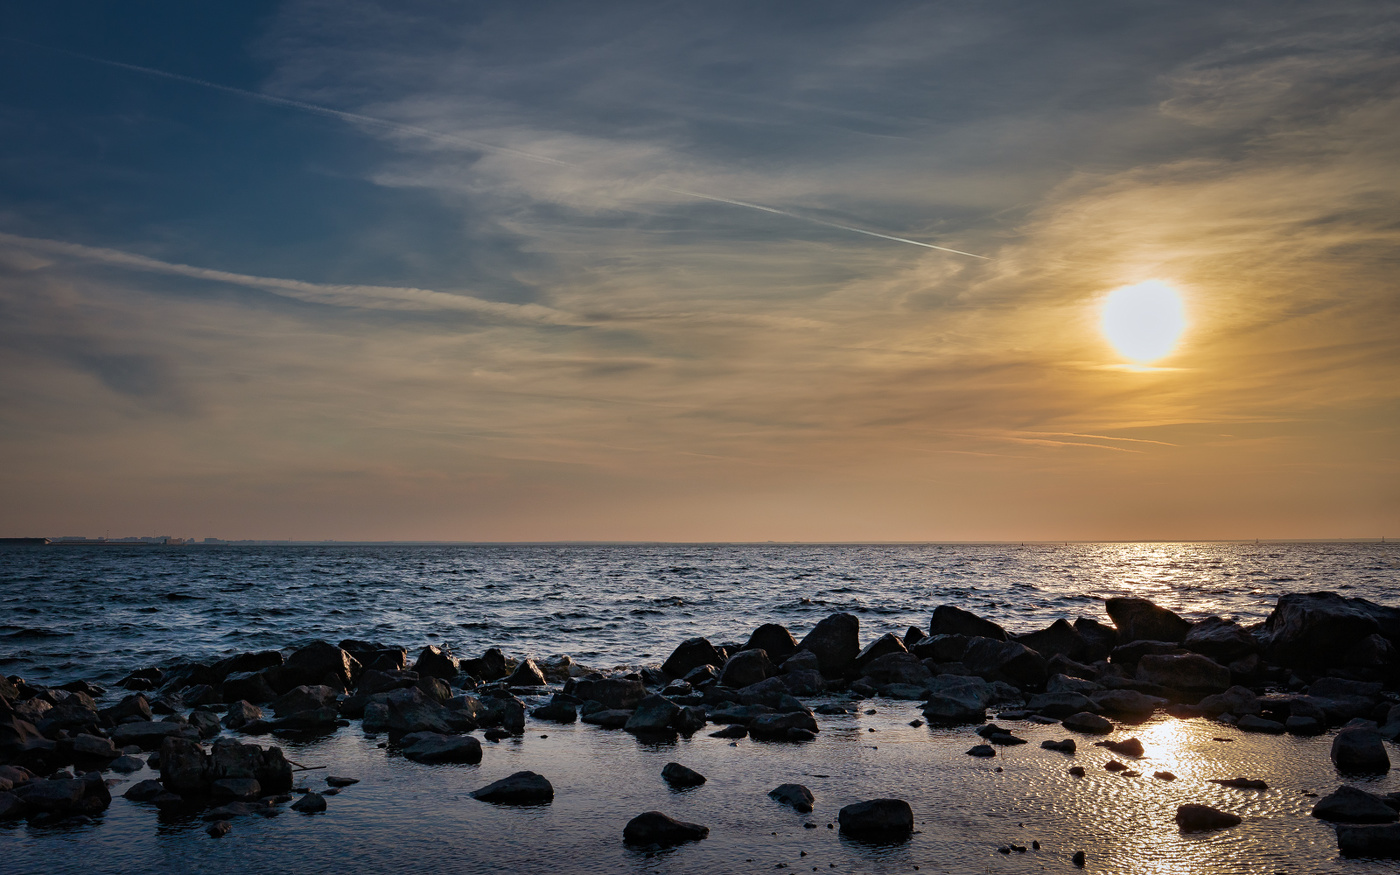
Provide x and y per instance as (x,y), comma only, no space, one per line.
(1321,663)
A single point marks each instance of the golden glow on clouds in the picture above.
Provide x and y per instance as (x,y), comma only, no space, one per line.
(1144,321)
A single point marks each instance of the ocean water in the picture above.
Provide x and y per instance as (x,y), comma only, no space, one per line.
(96,613)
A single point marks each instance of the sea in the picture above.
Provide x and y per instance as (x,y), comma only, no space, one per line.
(97,613)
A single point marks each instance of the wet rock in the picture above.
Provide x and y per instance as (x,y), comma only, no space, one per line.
(689,655)
(374,656)
(435,689)
(898,669)
(250,686)
(1164,776)
(240,713)
(652,714)
(690,719)
(219,828)
(376,681)
(559,709)
(982,750)
(1378,842)
(147,735)
(1251,723)
(1139,619)
(526,674)
(1128,655)
(1078,859)
(701,676)
(240,789)
(1189,672)
(795,795)
(65,797)
(1066,746)
(1359,750)
(836,642)
(679,776)
(436,662)
(1240,783)
(1200,818)
(184,767)
(886,644)
(1007,661)
(1060,638)
(1315,630)
(1349,804)
(954,709)
(1130,703)
(1221,640)
(133,707)
(521,788)
(609,719)
(432,748)
(952,620)
(1303,726)
(655,828)
(319,662)
(304,698)
(1236,700)
(745,668)
(780,727)
(773,639)
(144,791)
(126,764)
(1077,771)
(1085,722)
(311,803)
(877,820)
(409,710)
(1114,766)
(1062,683)
(1060,704)
(616,694)
(737,730)
(1127,747)
(90,747)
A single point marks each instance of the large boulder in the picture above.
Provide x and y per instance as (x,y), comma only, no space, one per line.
(836,643)
(655,828)
(1376,842)
(746,667)
(521,788)
(1188,672)
(1005,661)
(653,714)
(1058,639)
(1200,818)
(148,736)
(897,668)
(1236,700)
(614,694)
(1349,804)
(490,666)
(184,767)
(951,620)
(883,646)
(877,820)
(250,686)
(792,726)
(689,655)
(1127,703)
(1222,640)
(436,662)
(526,674)
(1139,619)
(431,748)
(410,710)
(64,797)
(304,698)
(796,795)
(1099,638)
(319,662)
(1359,750)
(773,639)
(1317,629)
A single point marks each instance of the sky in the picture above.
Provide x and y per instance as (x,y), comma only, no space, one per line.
(662,271)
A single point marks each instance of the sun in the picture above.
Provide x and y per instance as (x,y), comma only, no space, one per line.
(1144,321)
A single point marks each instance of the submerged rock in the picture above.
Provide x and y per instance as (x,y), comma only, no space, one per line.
(795,795)
(1085,722)
(1380,842)
(1349,804)
(311,803)
(680,776)
(1199,818)
(877,820)
(655,828)
(432,748)
(521,788)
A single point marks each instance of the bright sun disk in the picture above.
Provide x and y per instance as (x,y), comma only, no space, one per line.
(1143,321)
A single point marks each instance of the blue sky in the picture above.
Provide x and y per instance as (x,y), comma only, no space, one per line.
(553,271)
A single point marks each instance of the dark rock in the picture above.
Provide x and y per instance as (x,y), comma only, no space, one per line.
(144,791)
(1377,842)
(133,707)
(126,764)
(1099,638)
(311,803)
(304,698)
(982,750)
(897,668)
(773,639)
(1359,750)
(240,713)
(801,682)
(1236,700)
(1189,672)
(652,714)
(617,694)
(679,776)
(436,662)
(1127,747)
(432,748)
(1240,783)
(1066,746)
(941,648)
(737,730)
(745,668)
(796,795)
(1138,619)
(527,674)
(1372,652)
(655,828)
(90,747)
(912,636)
(1222,640)
(1060,705)
(338,781)
(241,789)
(1005,661)
(1303,726)
(376,681)
(1318,629)
(689,655)
(65,797)
(1058,639)
(1061,683)
(409,710)
(1127,702)
(219,828)
(689,719)
(779,727)
(436,689)
(1129,654)
(1199,818)
(885,645)
(1251,723)
(318,663)
(836,643)
(184,767)
(609,719)
(1078,859)
(1091,724)
(1077,771)
(490,666)
(702,675)
(148,736)
(1114,766)
(952,710)
(249,686)
(877,820)
(952,620)
(1341,688)
(559,709)
(521,788)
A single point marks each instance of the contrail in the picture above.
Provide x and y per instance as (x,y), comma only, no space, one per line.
(429,134)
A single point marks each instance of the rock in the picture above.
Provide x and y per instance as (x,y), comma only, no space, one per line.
(65,797)
(1091,724)
(147,735)
(1114,766)
(886,644)
(1251,723)
(311,803)
(1058,639)
(877,820)
(689,655)
(374,656)
(1341,688)
(952,620)
(1378,842)
(1127,702)
(1359,750)
(653,714)
(1060,704)
(773,639)
(689,720)
(1372,652)
(679,776)
(241,713)
(436,689)
(982,750)
(436,662)
(836,642)
(126,764)
(512,712)
(1062,683)
(527,674)
(144,791)
(1077,771)
(1066,746)
(795,795)
(701,676)
(1221,640)
(1006,661)
(1199,818)
(610,719)
(219,828)
(1139,619)
(616,694)
(184,767)
(1189,672)
(1236,700)
(1128,655)
(655,828)
(431,748)
(250,686)
(338,781)
(90,747)
(240,789)
(319,663)
(1349,804)
(779,727)
(377,681)
(745,668)
(1317,629)
(1127,747)
(1164,776)
(1303,726)
(1240,783)
(409,710)
(950,710)
(521,788)
(559,709)
(304,698)
(900,668)
(134,707)
(1078,859)
(737,730)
